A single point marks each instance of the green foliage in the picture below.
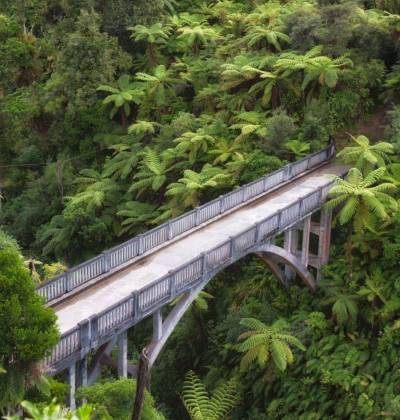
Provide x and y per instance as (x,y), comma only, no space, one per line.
(298,148)
(366,156)
(193,145)
(154,36)
(280,128)
(188,190)
(262,343)
(152,172)
(53,411)
(27,328)
(366,200)
(121,97)
(6,241)
(260,37)
(393,127)
(136,215)
(197,37)
(73,83)
(200,406)
(205,96)
(114,400)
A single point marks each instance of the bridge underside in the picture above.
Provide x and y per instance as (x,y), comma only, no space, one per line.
(294,258)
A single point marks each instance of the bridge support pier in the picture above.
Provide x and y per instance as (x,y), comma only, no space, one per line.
(157,325)
(102,353)
(324,239)
(305,246)
(123,355)
(72,386)
(290,243)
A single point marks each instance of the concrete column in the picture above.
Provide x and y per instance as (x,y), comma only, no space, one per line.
(123,355)
(157,325)
(305,246)
(325,235)
(290,244)
(83,373)
(72,385)
(324,241)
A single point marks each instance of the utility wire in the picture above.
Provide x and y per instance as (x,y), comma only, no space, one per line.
(17,165)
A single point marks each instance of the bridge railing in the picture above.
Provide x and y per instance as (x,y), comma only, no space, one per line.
(146,300)
(121,254)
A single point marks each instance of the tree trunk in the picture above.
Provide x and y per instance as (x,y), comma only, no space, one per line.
(123,118)
(141,384)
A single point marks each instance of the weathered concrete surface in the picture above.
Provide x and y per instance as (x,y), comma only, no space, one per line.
(145,271)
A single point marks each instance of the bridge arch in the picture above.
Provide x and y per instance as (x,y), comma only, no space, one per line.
(270,254)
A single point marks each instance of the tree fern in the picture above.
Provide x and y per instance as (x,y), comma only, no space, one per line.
(262,343)
(198,403)
(364,200)
(152,174)
(366,156)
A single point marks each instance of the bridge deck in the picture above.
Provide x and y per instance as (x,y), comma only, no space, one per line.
(149,268)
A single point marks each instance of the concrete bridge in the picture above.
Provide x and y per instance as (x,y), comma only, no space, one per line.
(99,300)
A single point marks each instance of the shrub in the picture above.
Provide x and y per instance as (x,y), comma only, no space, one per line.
(280,128)
(114,400)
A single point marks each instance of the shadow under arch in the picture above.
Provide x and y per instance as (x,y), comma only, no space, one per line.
(270,254)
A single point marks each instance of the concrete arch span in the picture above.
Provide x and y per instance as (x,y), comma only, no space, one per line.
(270,254)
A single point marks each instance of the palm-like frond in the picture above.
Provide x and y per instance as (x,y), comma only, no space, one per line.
(154,34)
(198,403)
(153,170)
(188,190)
(195,397)
(197,36)
(193,144)
(363,199)
(142,127)
(366,155)
(260,36)
(135,216)
(122,96)
(263,342)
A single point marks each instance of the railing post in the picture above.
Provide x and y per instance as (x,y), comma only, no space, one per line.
(94,331)
(320,197)
(172,286)
(265,182)
(197,217)
(136,308)
(68,281)
(257,232)
(243,194)
(203,263)
(106,261)
(170,236)
(221,204)
(279,220)
(308,164)
(231,247)
(84,332)
(288,171)
(301,206)
(140,245)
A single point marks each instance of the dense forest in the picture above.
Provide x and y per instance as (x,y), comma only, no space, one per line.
(117,115)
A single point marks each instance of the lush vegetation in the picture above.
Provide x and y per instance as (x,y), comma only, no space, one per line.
(116,116)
